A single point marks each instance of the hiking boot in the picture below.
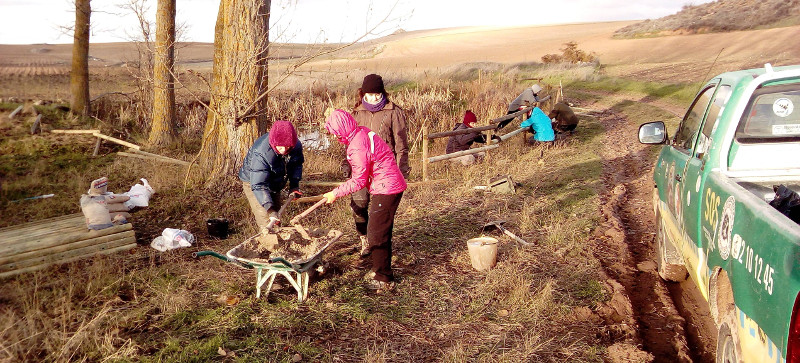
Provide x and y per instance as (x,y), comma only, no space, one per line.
(364,245)
(380,286)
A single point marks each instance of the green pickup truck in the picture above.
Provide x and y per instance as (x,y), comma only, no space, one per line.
(714,181)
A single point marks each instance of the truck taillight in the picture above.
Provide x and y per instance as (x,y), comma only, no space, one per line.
(793,344)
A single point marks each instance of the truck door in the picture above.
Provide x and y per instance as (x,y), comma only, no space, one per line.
(680,156)
(701,203)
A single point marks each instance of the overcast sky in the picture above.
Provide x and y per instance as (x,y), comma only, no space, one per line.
(314,21)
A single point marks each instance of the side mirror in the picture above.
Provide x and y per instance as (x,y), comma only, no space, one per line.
(653,133)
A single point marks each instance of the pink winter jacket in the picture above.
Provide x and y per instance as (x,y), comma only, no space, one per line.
(369,156)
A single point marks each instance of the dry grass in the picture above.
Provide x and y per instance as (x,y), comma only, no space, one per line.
(151,306)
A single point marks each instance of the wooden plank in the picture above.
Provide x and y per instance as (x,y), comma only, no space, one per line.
(75,131)
(59,256)
(28,234)
(13,259)
(34,227)
(14,113)
(151,158)
(520,112)
(117,141)
(59,239)
(45,265)
(425,154)
(41,221)
(462,153)
(176,161)
(460,132)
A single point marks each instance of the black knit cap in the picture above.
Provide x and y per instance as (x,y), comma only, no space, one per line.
(373,83)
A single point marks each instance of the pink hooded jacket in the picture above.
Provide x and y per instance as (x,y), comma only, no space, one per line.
(369,156)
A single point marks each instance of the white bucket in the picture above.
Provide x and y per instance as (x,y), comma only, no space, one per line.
(482,252)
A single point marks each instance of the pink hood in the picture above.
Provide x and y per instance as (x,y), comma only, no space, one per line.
(370,158)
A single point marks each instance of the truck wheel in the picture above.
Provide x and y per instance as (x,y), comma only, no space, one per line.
(726,346)
(668,270)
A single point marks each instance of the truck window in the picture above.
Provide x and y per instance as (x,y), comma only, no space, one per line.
(689,127)
(770,115)
(720,99)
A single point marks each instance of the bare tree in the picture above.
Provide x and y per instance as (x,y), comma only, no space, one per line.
(79,75)
(239,77)
(162,129)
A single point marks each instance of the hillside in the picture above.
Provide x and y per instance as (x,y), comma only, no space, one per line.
(719,16)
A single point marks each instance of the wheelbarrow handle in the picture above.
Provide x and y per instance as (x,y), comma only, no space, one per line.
(221,257)
(284,261)
(297,218)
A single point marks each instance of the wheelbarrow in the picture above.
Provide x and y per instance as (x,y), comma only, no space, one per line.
(295,264)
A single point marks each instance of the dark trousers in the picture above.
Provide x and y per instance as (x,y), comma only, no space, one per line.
(374,217)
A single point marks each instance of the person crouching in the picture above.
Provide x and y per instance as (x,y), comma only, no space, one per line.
(463,142)
(275,158)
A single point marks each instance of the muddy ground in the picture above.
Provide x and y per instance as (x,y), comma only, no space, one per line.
(670,321)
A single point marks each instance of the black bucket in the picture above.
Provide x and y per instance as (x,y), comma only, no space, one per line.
(217,227)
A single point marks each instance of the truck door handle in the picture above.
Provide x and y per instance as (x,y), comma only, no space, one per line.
(678,177)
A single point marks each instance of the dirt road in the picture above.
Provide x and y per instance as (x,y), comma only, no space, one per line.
(669,320)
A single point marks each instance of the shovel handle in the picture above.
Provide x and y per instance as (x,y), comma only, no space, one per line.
(520,240)
(307,211)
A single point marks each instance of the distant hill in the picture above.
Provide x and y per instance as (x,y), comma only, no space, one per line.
(718,16)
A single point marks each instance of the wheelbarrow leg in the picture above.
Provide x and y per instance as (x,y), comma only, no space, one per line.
(305,277)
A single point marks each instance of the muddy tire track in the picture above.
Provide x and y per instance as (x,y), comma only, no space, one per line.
(625,244)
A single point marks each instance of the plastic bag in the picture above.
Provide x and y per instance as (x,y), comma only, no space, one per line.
(172,238)
(139,195)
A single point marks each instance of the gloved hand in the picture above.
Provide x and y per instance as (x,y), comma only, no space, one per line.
(330,197)
(495,137)
(503,124)
(295,193)
(481,139)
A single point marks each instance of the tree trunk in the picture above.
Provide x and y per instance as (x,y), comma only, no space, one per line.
(79,76)
(239,77)
(162,128)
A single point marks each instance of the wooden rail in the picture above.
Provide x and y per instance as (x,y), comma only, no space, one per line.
(40,244)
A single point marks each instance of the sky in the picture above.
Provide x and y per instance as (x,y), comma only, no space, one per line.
(319,21)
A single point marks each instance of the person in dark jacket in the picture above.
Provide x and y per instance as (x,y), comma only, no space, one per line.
(528,97)
(463,142)
(564,119)
(376,112)
(275,158)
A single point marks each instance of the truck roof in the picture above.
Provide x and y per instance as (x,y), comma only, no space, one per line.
(745,76)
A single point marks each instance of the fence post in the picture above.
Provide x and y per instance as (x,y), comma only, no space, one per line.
(424,152)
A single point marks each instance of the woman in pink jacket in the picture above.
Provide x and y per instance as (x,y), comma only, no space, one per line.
(373,166)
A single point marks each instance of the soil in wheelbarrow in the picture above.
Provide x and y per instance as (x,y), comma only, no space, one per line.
(291,246)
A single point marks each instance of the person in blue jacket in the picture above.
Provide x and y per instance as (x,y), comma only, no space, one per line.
(540,126)
(274,159)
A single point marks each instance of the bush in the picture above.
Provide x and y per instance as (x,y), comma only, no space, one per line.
(570,54)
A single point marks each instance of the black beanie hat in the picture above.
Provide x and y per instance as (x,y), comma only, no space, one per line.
(373,83)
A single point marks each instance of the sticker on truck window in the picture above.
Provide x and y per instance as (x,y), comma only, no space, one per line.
(726,227)
(792,129)
(782,107)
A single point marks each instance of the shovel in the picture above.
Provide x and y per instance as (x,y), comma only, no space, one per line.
(498,224)
(296,220)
